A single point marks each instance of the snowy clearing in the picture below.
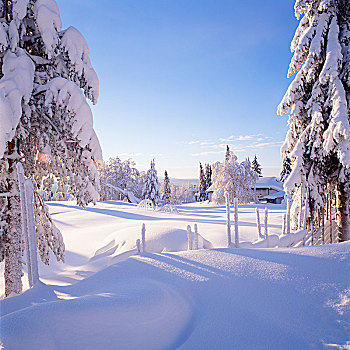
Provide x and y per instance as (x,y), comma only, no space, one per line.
(220,298)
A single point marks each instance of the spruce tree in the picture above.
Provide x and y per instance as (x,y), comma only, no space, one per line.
(318,105)
(228,154)
(202,185)
(151,186)
(256,166)
(45,123)
(208,174)
(286,168)
(167,190)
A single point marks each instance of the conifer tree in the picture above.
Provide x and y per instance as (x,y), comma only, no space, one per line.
(208,174)
(318,101)
(228,154)
(202,185)
(167,189)
(286,168)
(256,166)
(45,123)
(151,187)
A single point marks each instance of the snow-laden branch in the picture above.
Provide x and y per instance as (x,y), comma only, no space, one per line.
(131,197)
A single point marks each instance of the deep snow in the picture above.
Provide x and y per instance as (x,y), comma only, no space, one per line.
(207,299)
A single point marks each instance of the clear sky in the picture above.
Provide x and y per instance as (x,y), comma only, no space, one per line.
(181,79)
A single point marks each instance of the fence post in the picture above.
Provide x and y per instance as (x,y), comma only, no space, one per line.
(236,223)
(301,208)
(284,224)
(306,212)
(20,175)
(195,236)
(330,217)
(322,223)
(138,246)
(189,237)
(29,196)
(228,220)
(258,226)
(312,228)
(288,215)
(266,226)
(28,225)
(143,238)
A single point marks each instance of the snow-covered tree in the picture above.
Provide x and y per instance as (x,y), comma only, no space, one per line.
(238,179)
(256,166)
(151,186)
(203,196)
(228,153)
(286,168)
(208,174)
(120,174)
(318,140)
(184,193)
(45,122)
(166,189)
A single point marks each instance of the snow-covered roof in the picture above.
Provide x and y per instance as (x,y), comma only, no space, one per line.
(210,189)
(269,182)
(275,195)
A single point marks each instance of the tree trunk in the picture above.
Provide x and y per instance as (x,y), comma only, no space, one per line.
(343,213)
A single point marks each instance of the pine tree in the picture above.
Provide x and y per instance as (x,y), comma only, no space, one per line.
(203,196)
(151,186)
(256,166)
(208,173)
(227,155)
(167,190)
(286,168)
(45,123)
(318,100)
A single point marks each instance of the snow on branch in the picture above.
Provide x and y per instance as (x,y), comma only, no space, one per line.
(15,86)
(74,44)
(69,97)
(19,9)
(49,23)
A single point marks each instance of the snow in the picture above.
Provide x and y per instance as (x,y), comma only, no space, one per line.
(275,195)
(19,9)
(16,85)
(49,23)
(79,55)
(66,94)
(269,182)
(4,42)
(106,295)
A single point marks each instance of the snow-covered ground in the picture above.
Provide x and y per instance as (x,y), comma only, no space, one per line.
(106,297)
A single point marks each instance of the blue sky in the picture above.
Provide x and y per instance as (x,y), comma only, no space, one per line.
(181,79)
